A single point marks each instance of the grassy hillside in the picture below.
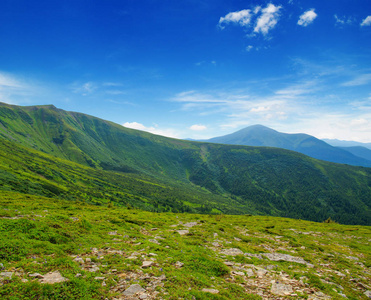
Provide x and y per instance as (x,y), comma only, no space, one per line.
(105,253)
(100,161)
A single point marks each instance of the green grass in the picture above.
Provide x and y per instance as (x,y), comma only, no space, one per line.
(39,234)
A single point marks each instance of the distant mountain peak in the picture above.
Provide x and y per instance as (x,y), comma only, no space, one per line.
(260,135)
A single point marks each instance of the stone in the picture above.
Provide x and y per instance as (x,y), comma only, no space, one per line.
(154,241)
(112,233)
(183,232)
(284,257)
(250,272)
(238,273)
(147,264)
(79,260)
(211,291)
(281,289)
(261,272)
(94,269)
(232,252)
(179,264)
(133,289)
(99,278)
(36,275)
(143,296)
(367,294)
(190,224)
(53,277)
(6,275)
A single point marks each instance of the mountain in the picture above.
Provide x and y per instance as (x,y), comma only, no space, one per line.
(259,135)
(340,143)
(359,151)
(50,152)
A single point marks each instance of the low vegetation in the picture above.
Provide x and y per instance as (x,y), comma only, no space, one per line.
(100,252)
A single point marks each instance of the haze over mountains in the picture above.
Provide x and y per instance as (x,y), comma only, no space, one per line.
(67,155)
(259,135)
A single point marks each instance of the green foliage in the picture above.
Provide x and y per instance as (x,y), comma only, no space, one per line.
(64,155)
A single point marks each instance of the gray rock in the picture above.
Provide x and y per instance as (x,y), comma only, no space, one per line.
(6,274)
(133,289)
(79,260)
(281,289)
(99,278)
(147,263)
(367,294)
(250,272)
(211,291)
(179,264)
(36,275)
(53,277)
(232,252)
(183,232)
(190,224)
(284,257)
(239,273)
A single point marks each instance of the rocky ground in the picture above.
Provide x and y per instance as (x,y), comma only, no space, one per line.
(206,257)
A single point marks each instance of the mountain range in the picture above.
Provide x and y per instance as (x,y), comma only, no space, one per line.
(258,135)
(50,152)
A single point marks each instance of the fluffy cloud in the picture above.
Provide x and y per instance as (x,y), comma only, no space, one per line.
(242,18)
(15,90)
(268,19)
(197,127)
(155,130)
(366,22)
(307,18)
(359,80)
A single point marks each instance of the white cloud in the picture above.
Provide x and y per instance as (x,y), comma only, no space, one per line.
(84,89)
(16,90)
(359,80)
(249,48)
(307,18)
(367,21)
(268,19)
(343,20)
(154,129)
(265,18)
(242,18)
(198,127)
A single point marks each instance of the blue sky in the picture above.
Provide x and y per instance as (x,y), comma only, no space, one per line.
(194,68)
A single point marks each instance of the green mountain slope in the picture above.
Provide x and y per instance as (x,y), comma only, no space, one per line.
(194,176)
(259,135)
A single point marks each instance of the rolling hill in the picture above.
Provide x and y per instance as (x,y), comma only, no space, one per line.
(259,135)
(50,152)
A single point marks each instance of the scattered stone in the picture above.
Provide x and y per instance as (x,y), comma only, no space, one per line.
(154,229)
(78,275)
(183,232)
(250,272)
(6,275)
(237,239)
(2,266)
(147,264)
(94,269)
(179,264)
(232,252)
(79,260)
(36,275)
(99,278)
(284,257)
(238,273)
(88,260)
(215,244)
(190,224)
(74,219)
(53,277)
(367,294)
(133,289)
(281,289)
(154,241)
(211,291)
